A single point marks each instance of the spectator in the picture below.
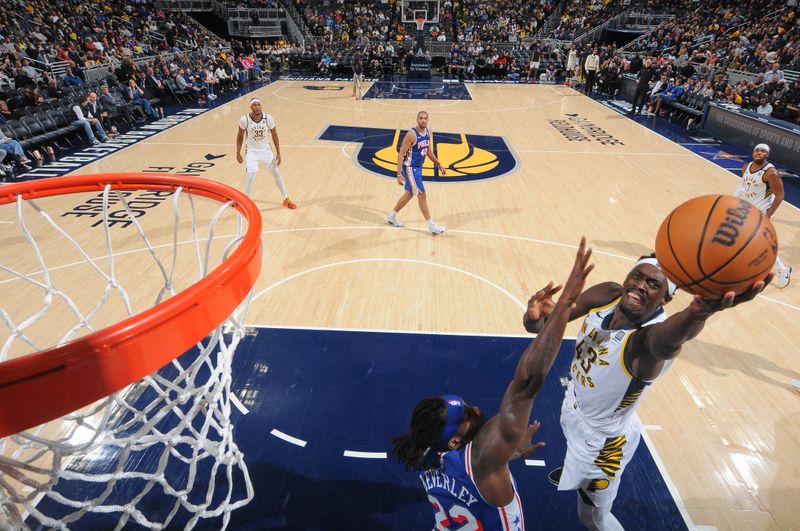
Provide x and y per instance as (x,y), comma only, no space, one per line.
(86,119)
(209,81)
(97,110)
(112,103)
(764,108)
(9,145)
(71,80)
(775,73)
(154,85)
(136,97)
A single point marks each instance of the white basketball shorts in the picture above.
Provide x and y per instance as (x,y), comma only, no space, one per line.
(595,461)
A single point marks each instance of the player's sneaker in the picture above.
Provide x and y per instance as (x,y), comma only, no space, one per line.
(555,476)
(289,204)
(435,229)
(392,220)
(783,277)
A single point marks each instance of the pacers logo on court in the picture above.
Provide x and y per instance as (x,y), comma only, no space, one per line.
(466,157)
(321,87)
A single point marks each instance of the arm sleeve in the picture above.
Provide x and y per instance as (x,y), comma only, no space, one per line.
(270,121)
(243,123)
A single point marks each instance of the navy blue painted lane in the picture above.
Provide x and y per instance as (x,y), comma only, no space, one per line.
(345,390)
(353,390)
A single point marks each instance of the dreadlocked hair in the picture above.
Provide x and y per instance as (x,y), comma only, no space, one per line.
(417,448)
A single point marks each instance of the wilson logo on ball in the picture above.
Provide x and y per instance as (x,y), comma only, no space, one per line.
(728,230)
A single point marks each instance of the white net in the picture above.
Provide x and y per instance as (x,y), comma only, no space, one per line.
(160,452)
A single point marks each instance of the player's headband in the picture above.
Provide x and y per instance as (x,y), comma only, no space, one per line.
(762,146)
(254,101)
(453,418)
(671,287)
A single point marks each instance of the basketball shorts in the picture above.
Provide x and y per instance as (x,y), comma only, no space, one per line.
(595,462)
(417,175)
(534,65)
(253,157)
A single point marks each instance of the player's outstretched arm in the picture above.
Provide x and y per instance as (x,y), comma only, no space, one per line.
(541,304)
(497,441)
(663,341)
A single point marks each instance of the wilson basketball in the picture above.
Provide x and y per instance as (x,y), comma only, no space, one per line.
(713,244)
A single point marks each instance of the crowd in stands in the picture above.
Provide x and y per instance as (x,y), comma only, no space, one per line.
(359,21)
(124,61)
(459,20)
(501,20)
(719,43)
(580,16)
(260,4)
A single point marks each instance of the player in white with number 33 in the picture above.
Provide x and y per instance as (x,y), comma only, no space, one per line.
(255,125)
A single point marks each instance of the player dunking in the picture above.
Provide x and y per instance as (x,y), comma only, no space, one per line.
(255,125)
(461,457)
(415,147)
(762,186)
(625,343)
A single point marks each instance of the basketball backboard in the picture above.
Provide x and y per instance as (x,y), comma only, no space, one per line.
(411,10)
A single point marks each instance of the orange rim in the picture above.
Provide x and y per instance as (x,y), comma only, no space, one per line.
(45,385)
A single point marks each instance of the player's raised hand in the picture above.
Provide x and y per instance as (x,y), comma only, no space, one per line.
(577,277)
(541,304)
(526,445)
(701,306)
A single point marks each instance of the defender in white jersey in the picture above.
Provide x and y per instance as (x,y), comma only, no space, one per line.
(462,457)
(762,186)
(625,343)
(254,126)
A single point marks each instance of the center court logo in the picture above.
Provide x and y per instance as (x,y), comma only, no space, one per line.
(322,87)
(467,157)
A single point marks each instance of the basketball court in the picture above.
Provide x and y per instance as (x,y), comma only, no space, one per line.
(352,320)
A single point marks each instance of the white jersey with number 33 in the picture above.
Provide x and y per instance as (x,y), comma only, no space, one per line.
(257,132)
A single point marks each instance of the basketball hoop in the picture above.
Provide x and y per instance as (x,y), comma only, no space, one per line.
(103,390)
(420,23)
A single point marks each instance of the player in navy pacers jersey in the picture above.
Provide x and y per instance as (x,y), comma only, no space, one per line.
(417,144)
(461,457)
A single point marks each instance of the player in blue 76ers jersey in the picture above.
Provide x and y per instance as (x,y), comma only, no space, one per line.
(461,457)
(415,147)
